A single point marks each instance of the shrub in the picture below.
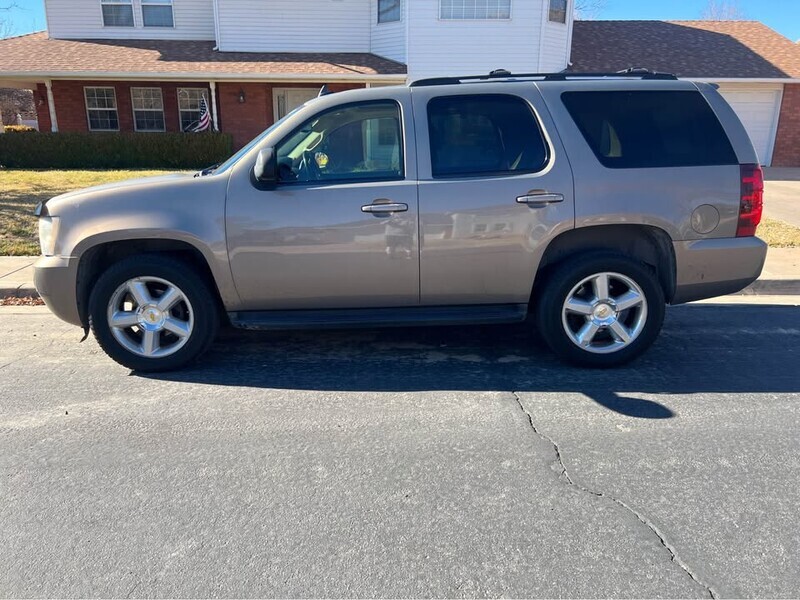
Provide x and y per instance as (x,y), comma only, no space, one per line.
(17,128)
(113,150)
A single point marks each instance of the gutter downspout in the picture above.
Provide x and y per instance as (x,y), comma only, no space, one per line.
(51,105)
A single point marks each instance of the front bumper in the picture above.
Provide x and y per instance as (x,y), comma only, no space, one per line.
(716,267)
(55,278)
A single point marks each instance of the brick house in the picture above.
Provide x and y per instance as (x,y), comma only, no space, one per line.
(757,69)
(144,65)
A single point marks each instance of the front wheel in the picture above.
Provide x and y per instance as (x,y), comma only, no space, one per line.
(600,310)
(152,313)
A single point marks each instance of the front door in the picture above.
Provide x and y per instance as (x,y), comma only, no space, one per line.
(340,229)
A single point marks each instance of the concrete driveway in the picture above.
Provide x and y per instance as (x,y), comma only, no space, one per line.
(454,462)
(782,199)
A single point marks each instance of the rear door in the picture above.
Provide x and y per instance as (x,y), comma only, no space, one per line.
(494,187)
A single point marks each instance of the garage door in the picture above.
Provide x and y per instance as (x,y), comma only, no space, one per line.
(758,106)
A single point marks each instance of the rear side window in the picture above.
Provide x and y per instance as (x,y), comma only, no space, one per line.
(634,130)
(484,135)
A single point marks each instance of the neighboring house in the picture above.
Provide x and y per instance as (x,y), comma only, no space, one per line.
(144,65)
(757,69)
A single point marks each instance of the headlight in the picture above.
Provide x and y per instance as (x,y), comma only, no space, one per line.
(48,229)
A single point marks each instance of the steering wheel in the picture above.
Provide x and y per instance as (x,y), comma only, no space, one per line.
(311,166)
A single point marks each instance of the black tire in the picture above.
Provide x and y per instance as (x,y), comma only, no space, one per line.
(561,280)
(203,302)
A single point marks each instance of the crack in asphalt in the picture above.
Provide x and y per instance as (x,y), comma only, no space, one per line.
(641,518)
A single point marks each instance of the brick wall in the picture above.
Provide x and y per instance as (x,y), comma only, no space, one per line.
(243,120)
(787,143)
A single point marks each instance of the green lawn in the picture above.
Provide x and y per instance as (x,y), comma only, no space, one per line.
(20,191)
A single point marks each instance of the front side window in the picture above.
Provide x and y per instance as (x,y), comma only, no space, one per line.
(358,142)
(189,107)
(474,9)
(389,11)
(473,136)
(117,13)
(558,11)
(157,13)
(646,129)
(148,109)
(101,108)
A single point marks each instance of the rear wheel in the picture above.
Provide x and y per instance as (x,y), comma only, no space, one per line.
(600,310)
(153,313)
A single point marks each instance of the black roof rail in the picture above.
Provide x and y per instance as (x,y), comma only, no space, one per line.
(502,74)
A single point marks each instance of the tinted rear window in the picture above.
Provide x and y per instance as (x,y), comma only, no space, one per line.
(634,130)
(484,135)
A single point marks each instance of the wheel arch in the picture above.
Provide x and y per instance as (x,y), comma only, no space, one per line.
(95,259)
(648,244)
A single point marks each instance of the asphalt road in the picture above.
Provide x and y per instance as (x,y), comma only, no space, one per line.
(443,462)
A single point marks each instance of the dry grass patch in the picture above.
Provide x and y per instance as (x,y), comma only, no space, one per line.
(779,234)
(21,191)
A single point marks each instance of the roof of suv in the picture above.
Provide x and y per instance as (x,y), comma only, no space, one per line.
(501,75)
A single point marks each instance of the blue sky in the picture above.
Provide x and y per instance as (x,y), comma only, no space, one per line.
(781,15)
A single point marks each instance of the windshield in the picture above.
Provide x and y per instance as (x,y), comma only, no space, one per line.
(255,141)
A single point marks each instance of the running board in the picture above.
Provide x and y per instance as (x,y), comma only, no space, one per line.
(379,317)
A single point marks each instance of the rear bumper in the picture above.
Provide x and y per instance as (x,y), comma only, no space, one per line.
(55,278)
(710,268)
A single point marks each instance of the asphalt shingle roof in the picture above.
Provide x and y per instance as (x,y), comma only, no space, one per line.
(721,49)
(38,54)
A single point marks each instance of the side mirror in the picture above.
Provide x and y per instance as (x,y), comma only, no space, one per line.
(266,169)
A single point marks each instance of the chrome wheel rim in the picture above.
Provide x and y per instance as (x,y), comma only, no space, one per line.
(150,317)
(604,313)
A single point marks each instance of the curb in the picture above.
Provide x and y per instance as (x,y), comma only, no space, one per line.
(21,291)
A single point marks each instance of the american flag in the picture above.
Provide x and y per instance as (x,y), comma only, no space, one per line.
(204,122)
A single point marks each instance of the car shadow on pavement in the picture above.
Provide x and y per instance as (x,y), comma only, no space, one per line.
(703,348)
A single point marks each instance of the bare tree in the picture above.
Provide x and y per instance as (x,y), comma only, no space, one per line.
(588,9)
(6,25)
(723,10)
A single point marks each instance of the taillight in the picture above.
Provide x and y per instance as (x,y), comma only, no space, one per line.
(751,204)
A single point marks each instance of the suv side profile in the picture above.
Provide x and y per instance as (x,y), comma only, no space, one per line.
(588,202)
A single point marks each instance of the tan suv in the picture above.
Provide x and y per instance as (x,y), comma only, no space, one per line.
(588,202)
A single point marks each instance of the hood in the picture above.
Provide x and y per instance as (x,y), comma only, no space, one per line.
(110,189)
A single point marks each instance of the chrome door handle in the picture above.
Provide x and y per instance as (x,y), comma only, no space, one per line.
(385,208)
(540,198)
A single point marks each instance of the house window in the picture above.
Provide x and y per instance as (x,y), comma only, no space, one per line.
(117,13)
(157,13)
(558,11)
(189,106)
(101,108)
(474,9)
(389,11)
(148,109)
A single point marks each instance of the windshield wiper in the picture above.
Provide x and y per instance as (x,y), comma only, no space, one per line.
(207,170)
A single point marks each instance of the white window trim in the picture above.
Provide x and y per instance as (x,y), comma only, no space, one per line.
(117,3)
(203,91)
(161,110)
(489,19)
(171,4)
(86,105)
(378,14)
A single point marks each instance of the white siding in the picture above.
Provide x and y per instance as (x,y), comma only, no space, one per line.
(555,47)
(442,47)
(75,19)
(294,25)
(388,39)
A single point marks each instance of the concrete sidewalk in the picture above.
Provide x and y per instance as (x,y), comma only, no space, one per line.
(782,195)
(781,275)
